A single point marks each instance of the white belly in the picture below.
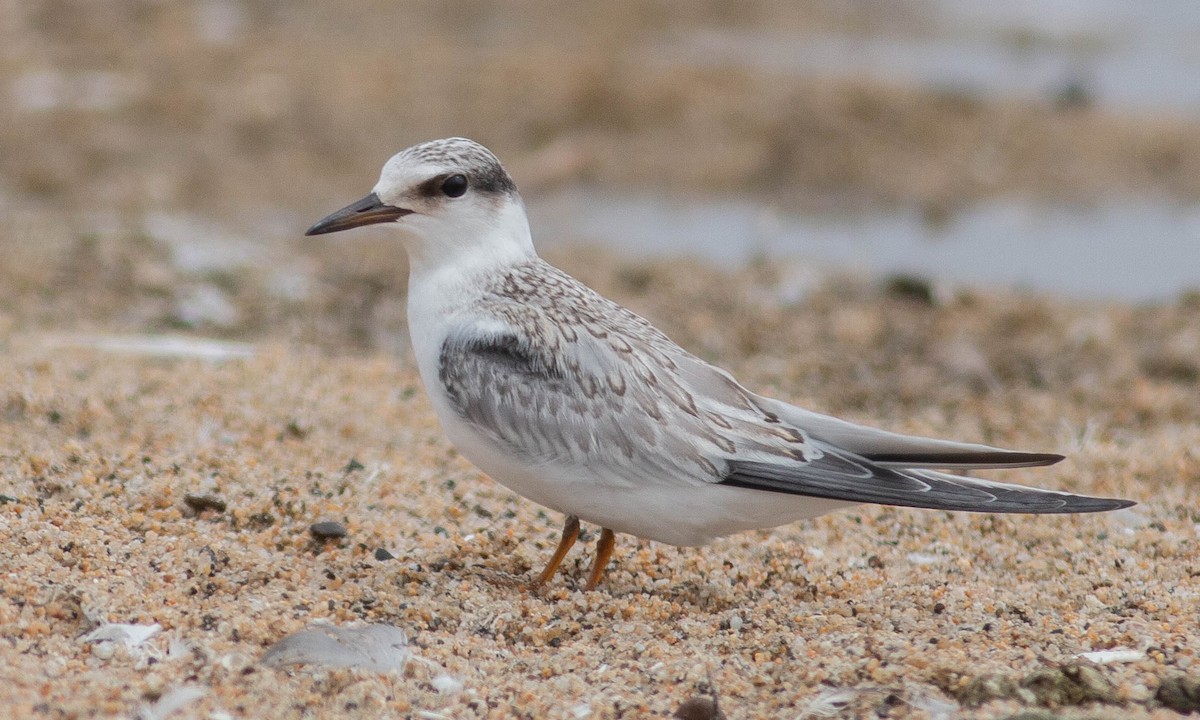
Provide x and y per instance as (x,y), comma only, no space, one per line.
(673,512)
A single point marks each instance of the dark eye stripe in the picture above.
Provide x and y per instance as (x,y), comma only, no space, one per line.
(491,180)
(431,187)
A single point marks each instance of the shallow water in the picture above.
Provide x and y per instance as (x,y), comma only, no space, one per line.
(1131,250)
(1128,250)
(1130,57)
(1140,57)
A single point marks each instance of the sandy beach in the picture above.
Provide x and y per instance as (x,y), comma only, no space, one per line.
(187,386)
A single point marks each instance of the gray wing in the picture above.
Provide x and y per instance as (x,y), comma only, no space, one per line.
(891,449)
(622,396)
(839,475)
(579,400)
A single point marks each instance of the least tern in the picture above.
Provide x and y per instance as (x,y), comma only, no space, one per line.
(582,406)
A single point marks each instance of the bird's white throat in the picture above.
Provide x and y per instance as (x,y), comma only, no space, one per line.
(472,240)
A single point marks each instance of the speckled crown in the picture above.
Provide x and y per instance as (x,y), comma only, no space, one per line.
(465,156)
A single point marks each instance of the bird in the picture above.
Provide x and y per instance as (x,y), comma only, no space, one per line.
(582,406)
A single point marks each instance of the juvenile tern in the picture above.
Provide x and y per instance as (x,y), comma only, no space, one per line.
(584,407)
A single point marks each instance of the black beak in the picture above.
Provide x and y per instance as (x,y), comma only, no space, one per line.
(368,211)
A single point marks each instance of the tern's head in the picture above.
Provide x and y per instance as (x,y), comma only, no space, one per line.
(448,197)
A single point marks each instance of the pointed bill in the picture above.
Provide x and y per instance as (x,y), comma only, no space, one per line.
(368,211)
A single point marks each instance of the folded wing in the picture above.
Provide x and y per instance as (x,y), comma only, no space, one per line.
(556,382)
(889,449)
(838,475)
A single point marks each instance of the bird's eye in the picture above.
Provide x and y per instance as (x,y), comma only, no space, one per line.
(454,186)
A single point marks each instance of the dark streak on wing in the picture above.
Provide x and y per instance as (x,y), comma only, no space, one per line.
(975,459)
(841,476)
(502,386)
(506,351)
(492,365)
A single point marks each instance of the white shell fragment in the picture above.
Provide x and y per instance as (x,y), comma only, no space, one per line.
(1110,657)
(381,648)
(171,702)
(128,635)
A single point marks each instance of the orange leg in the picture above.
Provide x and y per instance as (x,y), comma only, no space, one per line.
(570,534)
(604,552)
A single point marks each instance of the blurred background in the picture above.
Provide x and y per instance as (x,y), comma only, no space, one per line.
(160,161)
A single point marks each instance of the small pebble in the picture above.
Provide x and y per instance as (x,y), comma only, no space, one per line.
(328,530)
(1072,684)
(381,555)
(1180,693)
(104,651)
(911,287)
(200,503)
(699,708)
